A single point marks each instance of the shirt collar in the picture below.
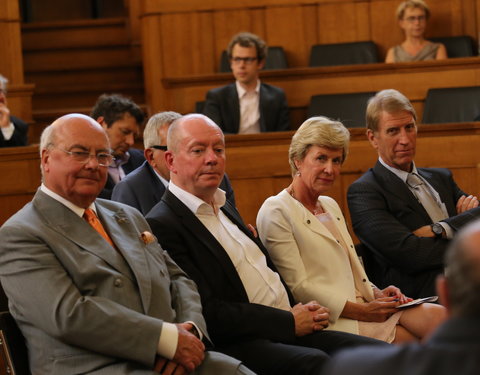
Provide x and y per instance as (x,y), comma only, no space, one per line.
(193,202)
(77,210)
(241,91)
(398,172)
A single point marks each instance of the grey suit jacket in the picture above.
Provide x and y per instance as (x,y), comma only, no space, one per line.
(82,306)
(223,107)
(385,213)
(453,349)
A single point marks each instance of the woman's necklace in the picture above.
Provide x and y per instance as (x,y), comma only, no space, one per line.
(317,210)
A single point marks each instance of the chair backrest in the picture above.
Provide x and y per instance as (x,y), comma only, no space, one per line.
(457,46)
(199,106)
(344,54)
(276,59)
(347,108)
(453,104)
(13,351)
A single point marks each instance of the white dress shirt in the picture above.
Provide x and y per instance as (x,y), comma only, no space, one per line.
(263,286)
(249,109)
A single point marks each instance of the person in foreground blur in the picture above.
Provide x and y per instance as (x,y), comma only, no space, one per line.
(13,131)
(121,118)
(455,346)
(145,186)
(412,17)
(245,302)
(307,238)
(97,296)
(404,215)
(248,105)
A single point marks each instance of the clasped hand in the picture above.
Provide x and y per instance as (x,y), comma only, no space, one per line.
(4,116)
(384,305)
(188,356)
(309,317)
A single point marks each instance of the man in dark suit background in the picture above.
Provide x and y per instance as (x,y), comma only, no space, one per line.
(13,131)
(145,186)
(455,346)
(247,106)
(406,231)
(121,118)
(245,302)
(87,282)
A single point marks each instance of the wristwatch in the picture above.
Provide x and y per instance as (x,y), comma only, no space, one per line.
(437,229)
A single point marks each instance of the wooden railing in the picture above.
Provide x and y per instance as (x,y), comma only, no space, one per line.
(258,165)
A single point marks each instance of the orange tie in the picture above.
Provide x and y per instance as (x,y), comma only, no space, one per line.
(92,219)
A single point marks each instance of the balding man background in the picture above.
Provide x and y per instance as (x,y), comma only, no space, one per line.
(145,186)
(88,284)
(455,347)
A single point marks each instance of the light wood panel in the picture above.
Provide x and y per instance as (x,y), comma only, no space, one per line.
(258,166)
(412,79)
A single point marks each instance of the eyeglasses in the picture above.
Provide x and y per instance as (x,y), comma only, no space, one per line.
(246,60)
(412,19)
(103,159)
(157,147)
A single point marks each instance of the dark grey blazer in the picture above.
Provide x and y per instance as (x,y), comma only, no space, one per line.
(20,134)
(453,349)
(223,107)
(143,189)
(385,213)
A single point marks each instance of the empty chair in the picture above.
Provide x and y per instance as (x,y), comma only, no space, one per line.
(276,59)
(347,108)
(457,46)
(343,54)
(13,350)
(454,104)
(199,106)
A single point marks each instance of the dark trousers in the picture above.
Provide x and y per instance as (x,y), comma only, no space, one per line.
(305,356)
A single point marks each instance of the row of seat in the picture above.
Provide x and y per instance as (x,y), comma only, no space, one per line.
(353,53)
(442,105)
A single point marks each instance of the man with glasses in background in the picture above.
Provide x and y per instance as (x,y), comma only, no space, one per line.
(247,106)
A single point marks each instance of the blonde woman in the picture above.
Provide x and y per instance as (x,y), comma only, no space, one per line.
(412,18)
(307,238)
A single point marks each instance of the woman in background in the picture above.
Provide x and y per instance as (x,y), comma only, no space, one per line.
(412,17)
(308,240)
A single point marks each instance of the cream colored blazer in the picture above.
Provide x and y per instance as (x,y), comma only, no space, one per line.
(311,261)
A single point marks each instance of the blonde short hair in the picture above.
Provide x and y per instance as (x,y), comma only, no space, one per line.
(318,131)
(420,4)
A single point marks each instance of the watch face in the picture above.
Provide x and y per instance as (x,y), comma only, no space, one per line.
(437,229)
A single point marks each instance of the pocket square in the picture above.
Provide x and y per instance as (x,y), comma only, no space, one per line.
(147,237)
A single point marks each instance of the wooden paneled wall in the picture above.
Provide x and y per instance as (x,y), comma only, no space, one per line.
(257,165)
(185,39)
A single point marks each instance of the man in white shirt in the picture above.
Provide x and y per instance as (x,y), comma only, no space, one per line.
(88,284)
(248,105)
(245,302)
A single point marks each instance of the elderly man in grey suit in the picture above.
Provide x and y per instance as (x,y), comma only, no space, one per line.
(88,284)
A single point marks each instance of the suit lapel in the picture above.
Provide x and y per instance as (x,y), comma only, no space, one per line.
(132,248)
(440,188)
(203,235)
(234,108)
(263,106)
(393,184)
